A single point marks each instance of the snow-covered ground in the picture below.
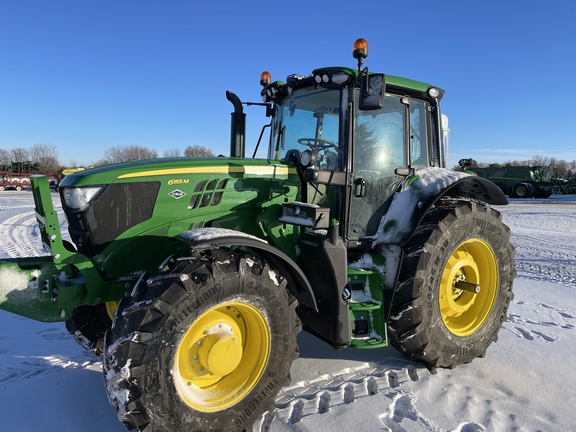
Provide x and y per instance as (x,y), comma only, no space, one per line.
(525,383)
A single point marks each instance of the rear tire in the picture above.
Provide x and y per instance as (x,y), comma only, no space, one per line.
(205,346)
(434,317)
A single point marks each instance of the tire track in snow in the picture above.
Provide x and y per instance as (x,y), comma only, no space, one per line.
(38,366)
(554,274)
(548,241)
(13,207)
(352,385)
(20,235)
(545,259)
(548,329)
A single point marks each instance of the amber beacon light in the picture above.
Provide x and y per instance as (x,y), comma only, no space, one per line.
(265,78)
(360,50)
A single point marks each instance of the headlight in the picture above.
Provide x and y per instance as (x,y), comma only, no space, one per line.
(77,198)
(332,76)
(308,158)
(434,92)
(340,78)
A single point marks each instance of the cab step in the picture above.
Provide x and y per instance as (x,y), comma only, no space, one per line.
(366,309)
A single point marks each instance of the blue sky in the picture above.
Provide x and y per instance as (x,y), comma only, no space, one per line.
(87,75)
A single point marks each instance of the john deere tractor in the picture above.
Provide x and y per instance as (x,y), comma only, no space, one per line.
(193,276)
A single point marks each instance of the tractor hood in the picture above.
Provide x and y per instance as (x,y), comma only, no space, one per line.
(173,171)
(116,206)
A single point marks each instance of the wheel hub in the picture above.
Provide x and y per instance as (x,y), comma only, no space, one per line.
(460,267)
(215,348)
(220,354)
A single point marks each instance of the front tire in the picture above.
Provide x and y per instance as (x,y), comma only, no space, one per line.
(436,315)
(523,190)
(204,346)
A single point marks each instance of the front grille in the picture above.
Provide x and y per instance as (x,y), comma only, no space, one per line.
(117,208)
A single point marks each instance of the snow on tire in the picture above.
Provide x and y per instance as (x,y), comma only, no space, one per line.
(456,285)
(205,345)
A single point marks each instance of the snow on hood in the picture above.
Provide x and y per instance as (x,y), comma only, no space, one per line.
(429,182)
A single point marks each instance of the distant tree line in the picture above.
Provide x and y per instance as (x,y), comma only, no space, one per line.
(46,156)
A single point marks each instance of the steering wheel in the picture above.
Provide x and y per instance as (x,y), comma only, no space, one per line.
(316,144)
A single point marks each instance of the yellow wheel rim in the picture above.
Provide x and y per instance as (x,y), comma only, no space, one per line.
(221,356)
(111,307)
(464,311)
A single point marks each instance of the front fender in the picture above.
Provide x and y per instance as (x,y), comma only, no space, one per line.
(421,191)
(209,238)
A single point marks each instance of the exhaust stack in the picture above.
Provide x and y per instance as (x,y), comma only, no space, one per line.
(237,127)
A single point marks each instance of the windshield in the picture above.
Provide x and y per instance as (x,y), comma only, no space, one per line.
(309,119)
(381,135)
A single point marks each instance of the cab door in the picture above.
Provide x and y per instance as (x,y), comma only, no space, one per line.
(395,136)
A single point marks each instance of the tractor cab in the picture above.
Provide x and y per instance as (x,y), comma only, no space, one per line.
(354,137)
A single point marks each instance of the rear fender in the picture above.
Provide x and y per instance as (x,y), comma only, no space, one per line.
(420,192)
(210,238)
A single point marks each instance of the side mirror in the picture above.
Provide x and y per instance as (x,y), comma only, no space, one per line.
(372,92)
(404,172)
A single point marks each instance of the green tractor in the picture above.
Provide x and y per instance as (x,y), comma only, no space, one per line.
(193,276)
(515,181)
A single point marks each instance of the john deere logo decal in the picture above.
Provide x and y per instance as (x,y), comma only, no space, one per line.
(177,194)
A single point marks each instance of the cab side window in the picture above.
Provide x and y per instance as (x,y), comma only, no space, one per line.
(419,134)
